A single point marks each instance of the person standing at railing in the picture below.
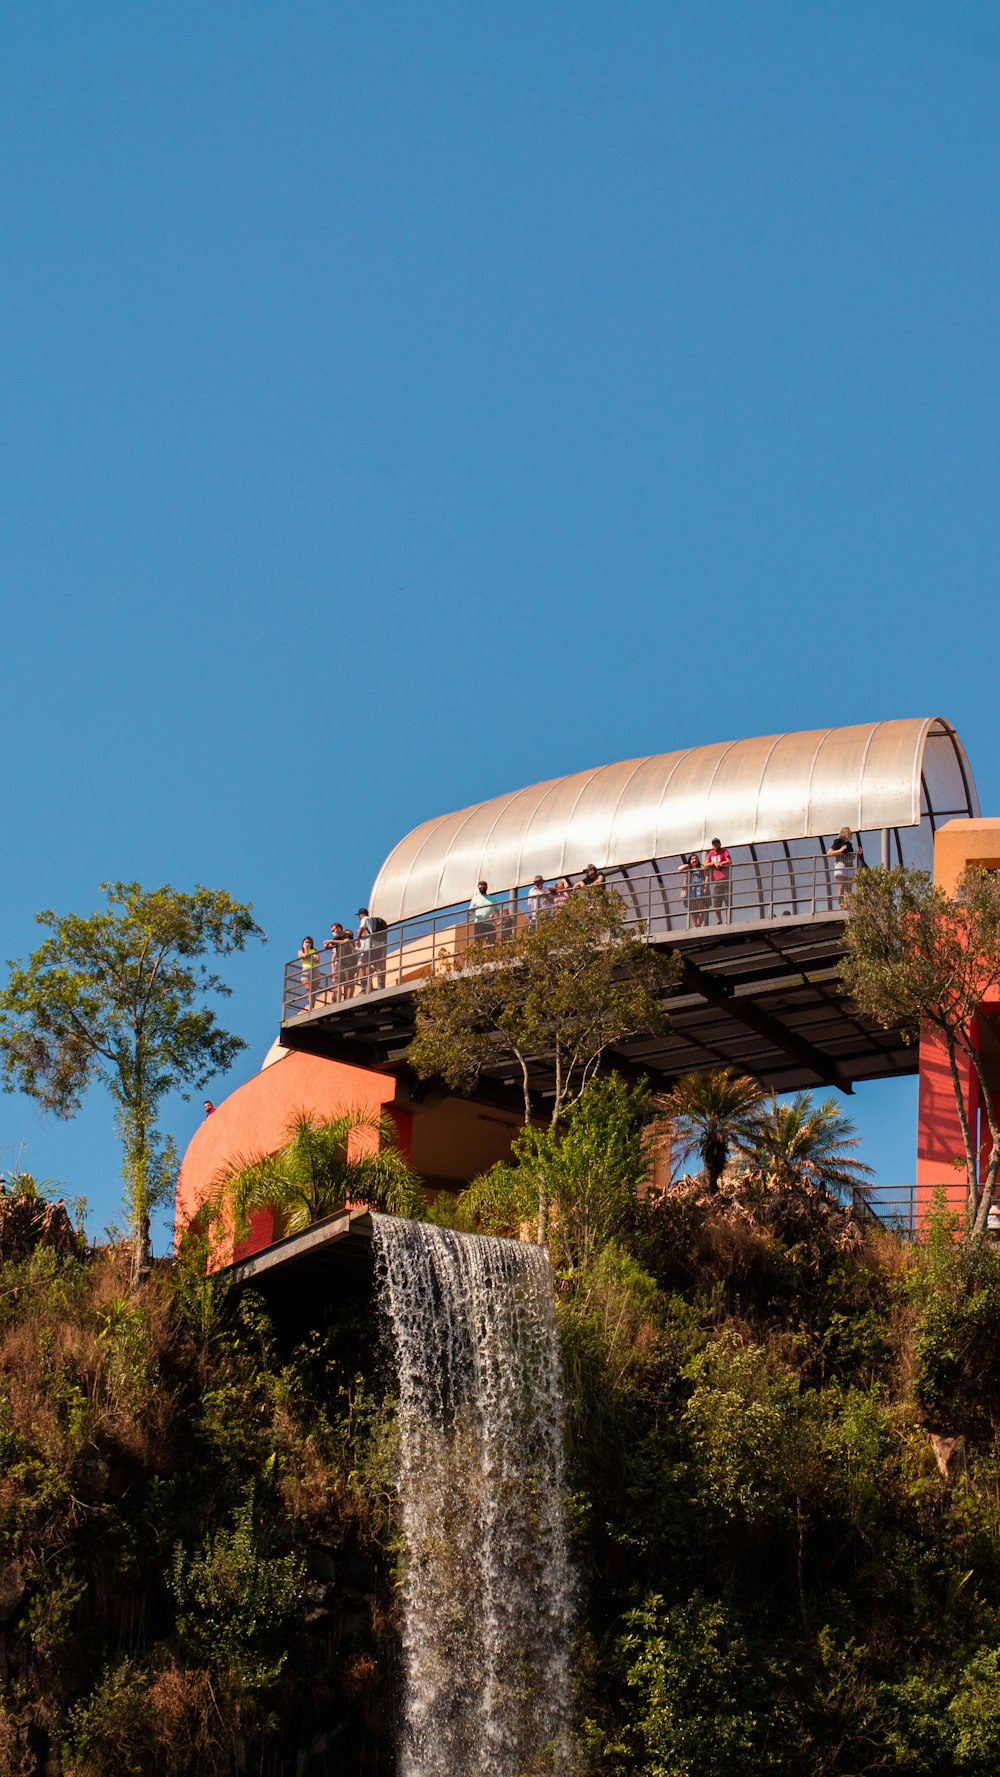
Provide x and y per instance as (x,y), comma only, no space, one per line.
(842,853)
(719,866)
(539,902)
(341,942)
(380,945)
(693,893)
(370,947)
(309,958)
(560,894)
(362,951)
(591,878)
(483,915)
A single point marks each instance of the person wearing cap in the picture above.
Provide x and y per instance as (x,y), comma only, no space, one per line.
(719,865)
(539,901)
(591,878)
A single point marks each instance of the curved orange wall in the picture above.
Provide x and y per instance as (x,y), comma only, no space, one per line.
(253,1120)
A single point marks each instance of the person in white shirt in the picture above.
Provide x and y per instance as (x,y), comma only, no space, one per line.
(483,912)
(371,944)
(539,901)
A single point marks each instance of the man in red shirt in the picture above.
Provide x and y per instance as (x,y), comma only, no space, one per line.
(719,865)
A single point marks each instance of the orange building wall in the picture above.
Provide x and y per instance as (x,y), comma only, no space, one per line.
(253,1119)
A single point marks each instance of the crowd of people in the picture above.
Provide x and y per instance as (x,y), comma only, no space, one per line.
(493,916)
(354,961)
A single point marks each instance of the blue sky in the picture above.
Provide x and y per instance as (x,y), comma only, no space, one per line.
(401,404)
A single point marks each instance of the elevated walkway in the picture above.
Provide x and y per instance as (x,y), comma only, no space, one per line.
(760,989)
(761,947)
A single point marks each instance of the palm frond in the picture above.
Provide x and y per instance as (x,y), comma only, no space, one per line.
(314,1174)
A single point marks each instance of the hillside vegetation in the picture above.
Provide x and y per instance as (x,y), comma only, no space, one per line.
(784,1467)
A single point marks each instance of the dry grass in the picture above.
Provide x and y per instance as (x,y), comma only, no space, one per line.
(80,1365)
(163,1724)
(15,1759)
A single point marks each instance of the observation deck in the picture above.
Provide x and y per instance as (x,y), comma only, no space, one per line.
(761,949)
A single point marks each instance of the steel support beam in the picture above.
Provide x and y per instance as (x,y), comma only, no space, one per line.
(763,1024)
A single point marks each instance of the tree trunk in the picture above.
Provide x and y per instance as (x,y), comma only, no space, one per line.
(972,1194)
(715,1154)
(135,1138)
(986,1186)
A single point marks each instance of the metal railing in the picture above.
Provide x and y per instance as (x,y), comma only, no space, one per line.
(895,1206)
(657,901)
(907,1209)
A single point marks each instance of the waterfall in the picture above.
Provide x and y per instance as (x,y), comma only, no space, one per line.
(487,1592)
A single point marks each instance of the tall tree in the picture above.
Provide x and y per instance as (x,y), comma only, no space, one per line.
(558,996)
(117,997)
(319,1169)
(919,958)
(807,1144)
(711,1115)
(561,994)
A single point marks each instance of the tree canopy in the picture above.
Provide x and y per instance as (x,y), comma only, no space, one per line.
(117,997)
(918,957)
(805,1144)
(591,1168)
(561,994)
(712,1114)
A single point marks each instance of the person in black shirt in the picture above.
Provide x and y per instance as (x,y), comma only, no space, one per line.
(591,878)
(842,853)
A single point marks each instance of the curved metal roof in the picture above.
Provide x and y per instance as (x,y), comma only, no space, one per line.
(779,787)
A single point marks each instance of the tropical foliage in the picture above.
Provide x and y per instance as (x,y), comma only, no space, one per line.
(324,1164)
(782,1474)
(806,1144)
(713,1115)
(589,1173)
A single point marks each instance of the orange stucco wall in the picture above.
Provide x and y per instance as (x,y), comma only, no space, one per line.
(959,843)
(253,1119)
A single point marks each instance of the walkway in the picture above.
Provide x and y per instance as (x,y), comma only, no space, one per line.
(658,904)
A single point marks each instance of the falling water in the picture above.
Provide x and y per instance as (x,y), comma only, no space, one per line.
(487,1593)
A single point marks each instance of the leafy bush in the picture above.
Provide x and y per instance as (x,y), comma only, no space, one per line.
(237,1603)
(751,1432)
(699,1706)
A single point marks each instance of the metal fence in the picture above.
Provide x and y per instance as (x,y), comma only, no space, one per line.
(897,1207)
(908,1208)
(658,899)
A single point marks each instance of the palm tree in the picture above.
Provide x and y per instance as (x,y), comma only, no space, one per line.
(711,1114)
(807,1144)
(315,1174)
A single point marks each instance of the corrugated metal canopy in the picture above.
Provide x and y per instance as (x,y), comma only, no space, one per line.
(779,787)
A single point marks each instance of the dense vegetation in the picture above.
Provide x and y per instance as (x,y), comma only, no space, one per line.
(785,1473)
(194,1527)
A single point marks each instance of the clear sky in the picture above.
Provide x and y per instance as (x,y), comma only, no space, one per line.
(404,403)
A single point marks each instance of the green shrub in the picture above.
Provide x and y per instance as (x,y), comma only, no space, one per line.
(697,1703)
(751,1431)
(237,1601)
